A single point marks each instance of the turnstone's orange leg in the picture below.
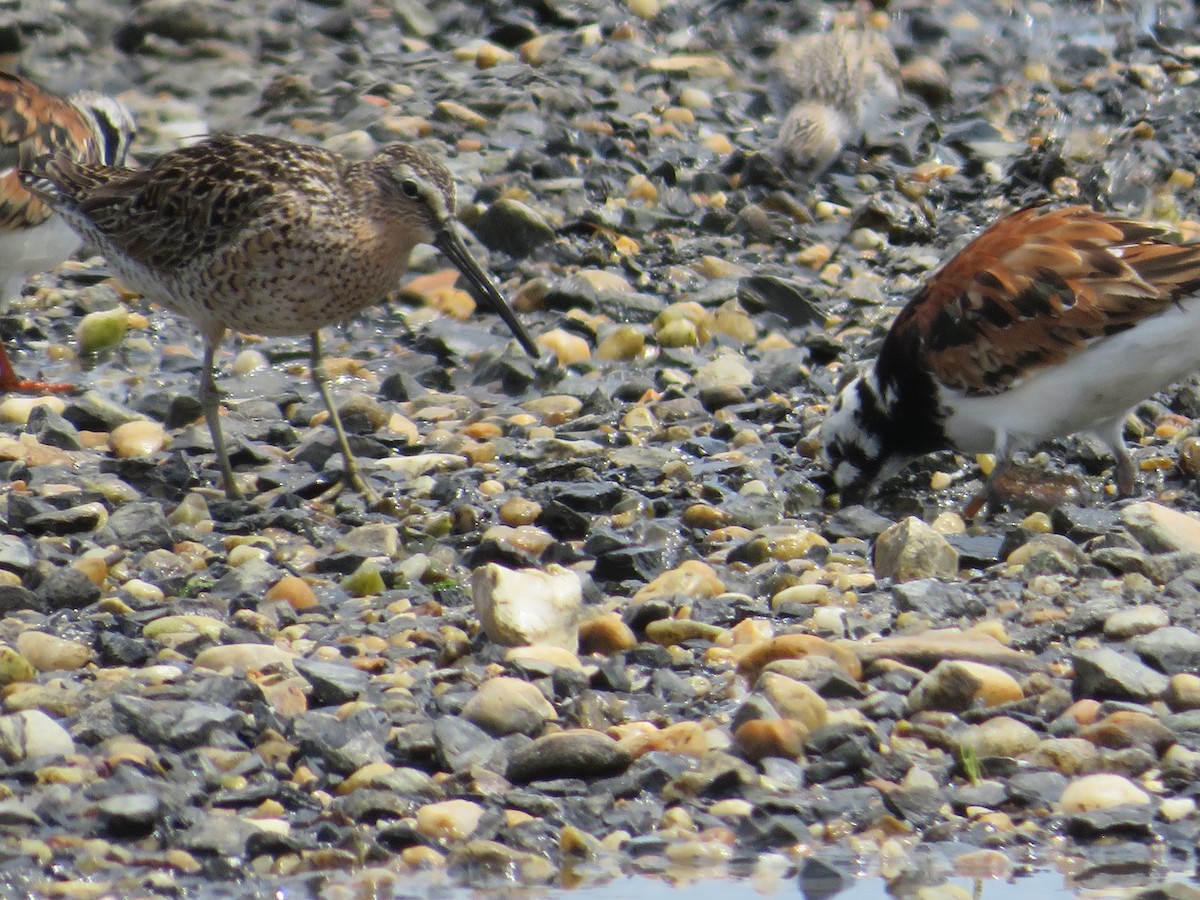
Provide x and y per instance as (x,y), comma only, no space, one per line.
(10,383)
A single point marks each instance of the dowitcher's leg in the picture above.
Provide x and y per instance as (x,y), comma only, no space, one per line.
(353,475)
(9,382)
(210,402)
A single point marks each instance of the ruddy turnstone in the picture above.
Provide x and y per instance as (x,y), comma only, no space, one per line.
(89,127)
(835,85)
(263,235)
(1050,322)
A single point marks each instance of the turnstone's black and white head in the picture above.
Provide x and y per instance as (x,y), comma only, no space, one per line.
(1050,322)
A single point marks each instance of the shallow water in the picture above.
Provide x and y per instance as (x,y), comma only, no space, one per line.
(1040,885)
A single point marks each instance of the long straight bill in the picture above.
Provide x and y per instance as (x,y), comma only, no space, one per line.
(451,244)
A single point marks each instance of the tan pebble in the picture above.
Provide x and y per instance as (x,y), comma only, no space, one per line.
(287,697)
(639,187)
(749,631)
(1173,809)
(242,658)
(801,593)
(191,510)
(143,591)
(1183,693)
(554,409)
(910,550)
(422,858)
(250,361)
(732,808)
(719,144)
(140,438)
(1084,712)
(94,567)
(797,646)
(555,656)
(449,110)
(449,820)
(367,776)
(670,632)
(528,606)
(519,511)
(680,739)
(189,626)
(14,667)
(625,342)
(567,348)
(606,634)
(294,591)
(639,418)
(17,409)
(690,578)
(247,553)
(949,522)
(491,488)
(49,653)
(696,854)
(732,322)
(1001,736)
(793,700)
(507,705)
(1102,791)
(489,56)
(644,9)
(760,738)
(705,516)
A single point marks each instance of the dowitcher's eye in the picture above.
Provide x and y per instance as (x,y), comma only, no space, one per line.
(410,188)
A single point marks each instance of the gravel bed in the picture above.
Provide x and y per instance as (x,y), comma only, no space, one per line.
(608,623)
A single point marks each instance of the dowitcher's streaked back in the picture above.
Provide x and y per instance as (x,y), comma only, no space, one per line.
(88,127)
(264,235)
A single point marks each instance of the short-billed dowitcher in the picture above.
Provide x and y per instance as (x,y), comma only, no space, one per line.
(1052,321)
(264,235)
(88,127)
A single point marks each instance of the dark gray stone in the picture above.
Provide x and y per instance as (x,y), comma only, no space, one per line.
(1105,674)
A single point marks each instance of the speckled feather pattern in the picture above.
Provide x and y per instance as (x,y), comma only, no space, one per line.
(840,69)
(1032,291)
(251,233)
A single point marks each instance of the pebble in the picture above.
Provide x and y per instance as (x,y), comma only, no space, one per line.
(31,734)
(449,820)
(48,653)
(958,685)
(910,550)
(1101,791)
(1001,736)
(508,706)
(137,439)
(527,606)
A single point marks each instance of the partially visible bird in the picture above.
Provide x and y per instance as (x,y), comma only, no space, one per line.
(88,127)
(264,235)
(835,85)
(1050,322)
